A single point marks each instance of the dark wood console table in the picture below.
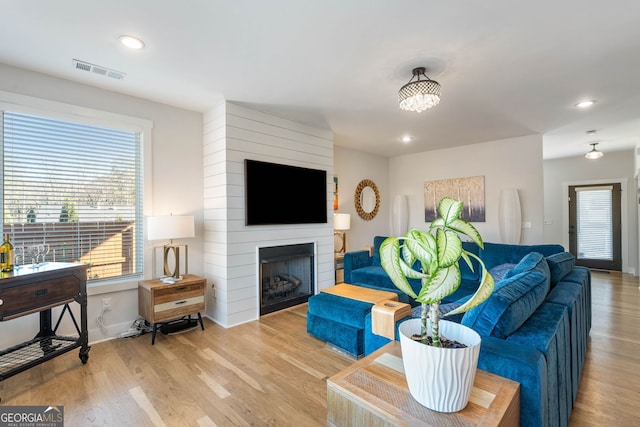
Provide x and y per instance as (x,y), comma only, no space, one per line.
(29,290)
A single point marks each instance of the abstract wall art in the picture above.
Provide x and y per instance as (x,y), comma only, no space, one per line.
(469,190)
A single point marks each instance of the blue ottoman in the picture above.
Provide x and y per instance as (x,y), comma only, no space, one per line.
(339,321)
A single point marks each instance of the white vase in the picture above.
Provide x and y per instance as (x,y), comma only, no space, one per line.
(510,216)
(400,215)
(440,378)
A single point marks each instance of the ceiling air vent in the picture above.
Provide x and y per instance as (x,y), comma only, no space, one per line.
(97,69)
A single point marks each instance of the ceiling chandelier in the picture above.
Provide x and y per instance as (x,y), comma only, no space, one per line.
(419,95)
(594,153)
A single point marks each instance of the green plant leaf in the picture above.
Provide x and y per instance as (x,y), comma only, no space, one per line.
(482,293)
(466,259)
(390,261)
(420,247)
(422,237)
(407,256)
(438,222)
(466,228)
(411,273)
(443,283)
(449,209)
(449,247)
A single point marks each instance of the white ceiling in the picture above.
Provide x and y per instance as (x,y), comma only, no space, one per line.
(507,68)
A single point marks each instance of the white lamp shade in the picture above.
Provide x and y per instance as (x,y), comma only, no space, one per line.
(510,216)
(341,221)
(170,227)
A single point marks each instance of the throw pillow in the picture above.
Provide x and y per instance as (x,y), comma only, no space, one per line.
(533,261)
(498,272)
(560,265)
(512,302)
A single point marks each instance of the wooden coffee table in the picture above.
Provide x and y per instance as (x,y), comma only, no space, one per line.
(374,392)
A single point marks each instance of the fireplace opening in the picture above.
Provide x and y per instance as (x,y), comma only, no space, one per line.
(286,276)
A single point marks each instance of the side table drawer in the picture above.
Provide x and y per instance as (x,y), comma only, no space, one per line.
(178,308)
(178,301)
(178,292)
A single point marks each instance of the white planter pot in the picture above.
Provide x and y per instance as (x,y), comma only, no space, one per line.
(440,378)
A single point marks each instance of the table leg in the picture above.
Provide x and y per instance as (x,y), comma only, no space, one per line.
(200,320)
(153,334)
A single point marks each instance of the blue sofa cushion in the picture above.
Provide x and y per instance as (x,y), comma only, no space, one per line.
(547,330)
(376,276)
(339,321)
(509,306)
(560,265)
(338,309)
(353,261)
(497,253)
(533,261)
(522,364)
(377,241)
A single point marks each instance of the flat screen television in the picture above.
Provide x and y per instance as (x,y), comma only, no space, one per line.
(283,194)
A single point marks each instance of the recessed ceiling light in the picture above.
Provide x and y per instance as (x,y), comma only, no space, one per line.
(406,139)
(585,104)
(131,42)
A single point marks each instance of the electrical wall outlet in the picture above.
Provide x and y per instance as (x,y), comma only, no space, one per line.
(106,304)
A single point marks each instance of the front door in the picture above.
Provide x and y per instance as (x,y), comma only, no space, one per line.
(595,225)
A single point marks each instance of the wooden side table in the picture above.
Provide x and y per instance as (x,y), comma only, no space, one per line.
(374,392)
(160,302)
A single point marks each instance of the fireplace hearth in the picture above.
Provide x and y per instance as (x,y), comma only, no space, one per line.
(287,276)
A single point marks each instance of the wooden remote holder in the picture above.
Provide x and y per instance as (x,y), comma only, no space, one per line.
(384,316)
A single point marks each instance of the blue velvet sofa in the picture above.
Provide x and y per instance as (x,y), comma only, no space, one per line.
(534,327)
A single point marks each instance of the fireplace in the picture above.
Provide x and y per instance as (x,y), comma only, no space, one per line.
(286,277)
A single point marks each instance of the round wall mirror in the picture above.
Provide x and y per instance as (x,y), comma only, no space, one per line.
(367,199)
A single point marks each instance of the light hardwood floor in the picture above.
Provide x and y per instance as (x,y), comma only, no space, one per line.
(609,393)
(271,372)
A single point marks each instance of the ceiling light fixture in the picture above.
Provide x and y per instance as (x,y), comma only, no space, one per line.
(419,95)
(132,42)
(585,104)
(594,153)
(406,139)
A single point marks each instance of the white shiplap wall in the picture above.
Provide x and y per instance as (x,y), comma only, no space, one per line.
(233,133)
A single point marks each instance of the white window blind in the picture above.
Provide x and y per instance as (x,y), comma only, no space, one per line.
(72,192)
(595,222)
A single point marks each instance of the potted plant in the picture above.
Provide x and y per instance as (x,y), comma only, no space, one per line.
(433,256)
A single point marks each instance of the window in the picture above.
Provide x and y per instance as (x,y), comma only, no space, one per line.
(72,192)
(595,222)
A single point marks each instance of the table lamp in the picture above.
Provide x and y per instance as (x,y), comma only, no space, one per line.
(171,227)
(341,222)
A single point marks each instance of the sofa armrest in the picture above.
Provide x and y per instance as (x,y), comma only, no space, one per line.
(522,364)
(354,260)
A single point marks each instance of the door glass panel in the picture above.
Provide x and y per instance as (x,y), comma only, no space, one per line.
(594,223)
